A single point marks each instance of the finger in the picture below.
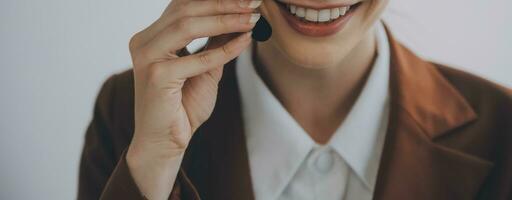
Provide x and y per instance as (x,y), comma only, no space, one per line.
(177,36)
(179,9)
(196,8)
(196,64)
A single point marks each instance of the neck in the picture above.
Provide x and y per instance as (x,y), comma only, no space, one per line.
(318,99)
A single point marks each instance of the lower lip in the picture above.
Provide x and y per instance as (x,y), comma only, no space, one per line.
(316,29)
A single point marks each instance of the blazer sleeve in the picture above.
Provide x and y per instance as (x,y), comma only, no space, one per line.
(102,173)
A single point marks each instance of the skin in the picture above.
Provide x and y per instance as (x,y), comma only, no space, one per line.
(175,93)
(305,72)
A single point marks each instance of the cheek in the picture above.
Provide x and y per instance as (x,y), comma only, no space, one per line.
(374,10)
(363,21)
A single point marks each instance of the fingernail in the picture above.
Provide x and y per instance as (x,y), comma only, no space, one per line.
(254,18)
(249,18)
(250,4)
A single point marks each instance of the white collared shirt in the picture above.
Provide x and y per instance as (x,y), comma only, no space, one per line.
(286,163)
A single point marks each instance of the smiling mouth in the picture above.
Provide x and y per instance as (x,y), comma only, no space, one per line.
(317,21)
(317,16)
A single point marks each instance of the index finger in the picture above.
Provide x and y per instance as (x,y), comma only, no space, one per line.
(194,8)
(179,9)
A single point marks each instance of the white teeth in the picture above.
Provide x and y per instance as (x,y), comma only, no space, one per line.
(313,15)
(324,15)
(301,12)
(293,8)
(343,10)
(335,13)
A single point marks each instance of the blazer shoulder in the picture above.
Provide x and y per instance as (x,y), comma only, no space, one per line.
(124,93)
(124,82)
(483,95)
(116,100)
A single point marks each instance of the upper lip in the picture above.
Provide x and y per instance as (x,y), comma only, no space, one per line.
(314,5)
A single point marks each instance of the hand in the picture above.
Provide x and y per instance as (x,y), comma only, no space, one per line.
(174,95)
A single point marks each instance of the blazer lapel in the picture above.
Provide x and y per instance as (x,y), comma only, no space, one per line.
(424,108)
(217,161)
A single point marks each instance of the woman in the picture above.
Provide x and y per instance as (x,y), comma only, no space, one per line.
(331,107)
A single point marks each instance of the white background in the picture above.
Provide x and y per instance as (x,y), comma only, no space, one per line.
(54,54)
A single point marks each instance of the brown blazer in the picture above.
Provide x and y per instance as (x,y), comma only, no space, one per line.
(449,138)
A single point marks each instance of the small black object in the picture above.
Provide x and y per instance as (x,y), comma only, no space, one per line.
(262,30)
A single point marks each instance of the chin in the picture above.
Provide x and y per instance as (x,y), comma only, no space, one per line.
(309,49)
(311,55)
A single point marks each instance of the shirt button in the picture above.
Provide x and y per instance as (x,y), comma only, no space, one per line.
(323,161)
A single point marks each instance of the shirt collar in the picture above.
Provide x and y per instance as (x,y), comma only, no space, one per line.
(277,145)
(359,140)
